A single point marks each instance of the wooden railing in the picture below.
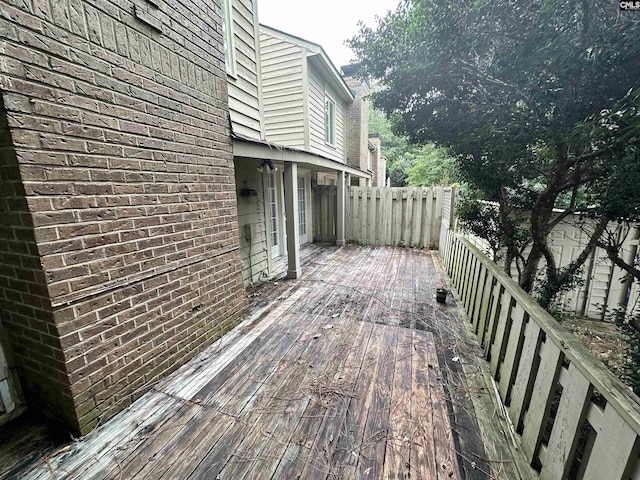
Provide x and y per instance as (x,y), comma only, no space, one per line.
(572,418)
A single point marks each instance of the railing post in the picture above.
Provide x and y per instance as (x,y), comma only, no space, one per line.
(291,213)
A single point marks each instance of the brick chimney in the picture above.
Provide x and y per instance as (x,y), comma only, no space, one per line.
(357,119)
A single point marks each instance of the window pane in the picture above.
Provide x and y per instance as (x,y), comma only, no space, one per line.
(273,210)
(302,207)
(329,121)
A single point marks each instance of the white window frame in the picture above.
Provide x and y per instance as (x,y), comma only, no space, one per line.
(228,37)
(329,121)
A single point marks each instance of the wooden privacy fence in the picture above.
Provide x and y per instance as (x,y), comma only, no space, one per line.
(324,213)
(569,413)
(397,216)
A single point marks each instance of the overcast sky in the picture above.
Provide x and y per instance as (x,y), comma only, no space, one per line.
(326,22)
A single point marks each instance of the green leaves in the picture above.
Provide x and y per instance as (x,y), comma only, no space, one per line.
(411,164)
(531,98)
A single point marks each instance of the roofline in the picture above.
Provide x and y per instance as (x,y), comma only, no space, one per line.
(259,149)
(318,51)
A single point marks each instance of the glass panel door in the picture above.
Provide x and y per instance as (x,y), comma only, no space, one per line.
(274,224)
(302,209)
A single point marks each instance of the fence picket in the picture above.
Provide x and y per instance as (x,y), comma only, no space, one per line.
(407,216)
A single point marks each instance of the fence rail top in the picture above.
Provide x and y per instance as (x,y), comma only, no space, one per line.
(612,389)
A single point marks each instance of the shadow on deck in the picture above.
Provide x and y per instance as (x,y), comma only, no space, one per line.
(351,371)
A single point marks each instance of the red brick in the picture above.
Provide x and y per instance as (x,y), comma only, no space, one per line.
(127,172)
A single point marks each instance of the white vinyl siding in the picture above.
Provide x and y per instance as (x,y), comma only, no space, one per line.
(283,92)
(318,91)
(251,212)
(244,88)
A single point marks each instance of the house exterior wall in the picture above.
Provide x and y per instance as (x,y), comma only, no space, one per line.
(118,231)
(252,222)
(245,86)
(318,88)
(283,91)
(378,162)
(357,124)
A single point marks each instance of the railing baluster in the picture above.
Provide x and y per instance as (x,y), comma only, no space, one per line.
(487,293)
(525,376)
(535,420)
(576,393)
(475,280)
(513,352)
(499,343)
(479,296)
(459,263)
(466,269)
(616,446)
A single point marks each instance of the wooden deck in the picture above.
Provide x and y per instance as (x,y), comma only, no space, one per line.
(352,371)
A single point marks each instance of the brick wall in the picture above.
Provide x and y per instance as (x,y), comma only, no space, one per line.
(122,240)
(357,124)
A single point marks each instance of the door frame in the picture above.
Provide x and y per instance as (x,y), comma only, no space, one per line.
(277,250)
(307,237)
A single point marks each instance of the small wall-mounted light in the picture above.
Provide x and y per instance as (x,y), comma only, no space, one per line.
(245,191)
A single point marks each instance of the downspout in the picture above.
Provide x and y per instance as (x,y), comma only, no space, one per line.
(623,300)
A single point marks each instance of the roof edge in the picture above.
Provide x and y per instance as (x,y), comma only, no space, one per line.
(314,50)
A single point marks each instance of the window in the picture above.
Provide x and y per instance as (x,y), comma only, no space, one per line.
(329,121)
(273,210)
(302,207)
(228,38)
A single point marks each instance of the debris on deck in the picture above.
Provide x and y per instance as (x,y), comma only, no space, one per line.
(351,371)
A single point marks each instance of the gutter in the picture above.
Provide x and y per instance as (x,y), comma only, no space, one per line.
(245,147)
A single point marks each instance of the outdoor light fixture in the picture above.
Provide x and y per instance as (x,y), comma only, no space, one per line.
(245,191)
(269,164)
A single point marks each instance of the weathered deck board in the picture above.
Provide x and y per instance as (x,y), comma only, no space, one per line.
(308,448)
(376,429)
(350,440)
(422,456)
(397,462)
(378,395)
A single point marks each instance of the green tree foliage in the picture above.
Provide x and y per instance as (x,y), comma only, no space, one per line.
(524,95)
(433,166)
(411,164)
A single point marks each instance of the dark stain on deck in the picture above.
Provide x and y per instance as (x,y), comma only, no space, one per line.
(352,371)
